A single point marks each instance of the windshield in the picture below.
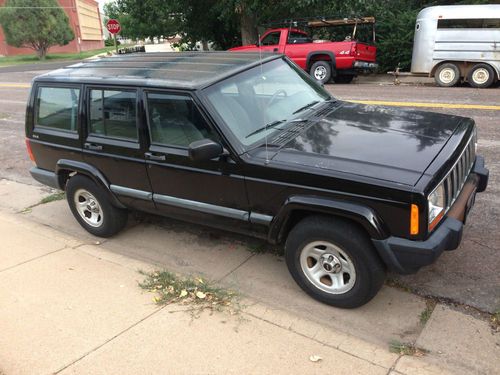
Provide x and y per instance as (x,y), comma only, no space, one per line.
(262,100)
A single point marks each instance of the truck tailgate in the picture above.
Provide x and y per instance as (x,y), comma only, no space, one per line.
(366,52)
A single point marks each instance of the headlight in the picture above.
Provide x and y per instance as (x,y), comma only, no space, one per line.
(436,206)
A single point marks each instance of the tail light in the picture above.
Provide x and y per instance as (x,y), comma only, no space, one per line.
(30,152)
(354,49)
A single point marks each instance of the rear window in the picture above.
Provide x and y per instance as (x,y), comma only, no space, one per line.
(113,114)
(57,108)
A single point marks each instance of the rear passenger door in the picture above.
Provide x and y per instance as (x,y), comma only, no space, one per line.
(113,143)
(211,192)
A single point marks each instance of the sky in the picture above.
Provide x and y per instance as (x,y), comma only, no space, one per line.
(102,2)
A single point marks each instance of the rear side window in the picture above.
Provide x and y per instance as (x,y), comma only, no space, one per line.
(473,23)
(175,120)
(57,108)
(112,113)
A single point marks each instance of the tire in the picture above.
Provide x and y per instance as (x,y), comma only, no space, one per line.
(481,76)
(96,214)
(341,79)
(447,75)
(341,247)
(321,71)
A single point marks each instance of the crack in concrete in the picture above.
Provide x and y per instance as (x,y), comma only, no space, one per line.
(110,339)
(33,259)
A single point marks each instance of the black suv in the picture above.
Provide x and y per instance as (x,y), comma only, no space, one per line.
(252,144)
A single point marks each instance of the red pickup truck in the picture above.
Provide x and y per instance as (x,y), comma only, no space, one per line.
(323,59)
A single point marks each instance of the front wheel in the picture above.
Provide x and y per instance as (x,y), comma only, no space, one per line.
(334,261)
(321,71)
(92,209)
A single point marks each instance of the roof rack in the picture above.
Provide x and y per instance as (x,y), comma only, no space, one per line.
(315,22)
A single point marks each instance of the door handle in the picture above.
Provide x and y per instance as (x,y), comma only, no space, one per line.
(151,156)
(92,146)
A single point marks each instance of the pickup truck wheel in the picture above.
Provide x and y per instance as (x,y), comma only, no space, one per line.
(334,261)
(343,78)
(92,209)
(481,76)
(321,71)
(447,75)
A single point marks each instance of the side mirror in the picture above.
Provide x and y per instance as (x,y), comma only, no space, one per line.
(204,149)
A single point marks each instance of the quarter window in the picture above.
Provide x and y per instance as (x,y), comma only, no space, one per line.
(57,108)
(113,114)
(175,120)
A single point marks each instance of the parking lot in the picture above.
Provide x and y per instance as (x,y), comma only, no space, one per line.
(466,276)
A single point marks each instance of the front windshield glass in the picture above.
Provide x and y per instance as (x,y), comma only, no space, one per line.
(264,99)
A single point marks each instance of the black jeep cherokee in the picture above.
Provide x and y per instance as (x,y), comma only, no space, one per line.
(252,144)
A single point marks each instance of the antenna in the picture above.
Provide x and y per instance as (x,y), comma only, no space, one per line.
(262,77)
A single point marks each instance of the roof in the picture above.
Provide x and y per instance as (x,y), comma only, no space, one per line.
(188,70)
(460,11)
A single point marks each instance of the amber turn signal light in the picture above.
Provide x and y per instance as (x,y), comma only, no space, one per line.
(414,220)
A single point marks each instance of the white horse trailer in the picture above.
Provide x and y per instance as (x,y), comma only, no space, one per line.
(458,43)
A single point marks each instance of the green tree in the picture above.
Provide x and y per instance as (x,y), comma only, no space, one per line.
(36,24)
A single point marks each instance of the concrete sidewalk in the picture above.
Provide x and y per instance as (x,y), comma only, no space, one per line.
(70,303)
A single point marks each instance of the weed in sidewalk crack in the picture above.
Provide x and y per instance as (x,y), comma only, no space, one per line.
(50,198)
(495,321)
(201,294)
(406,349)
(426,313)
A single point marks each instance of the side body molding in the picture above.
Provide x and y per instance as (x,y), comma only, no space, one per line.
(363,215)
(64,166)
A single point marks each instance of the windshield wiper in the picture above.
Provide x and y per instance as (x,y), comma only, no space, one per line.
(265,127)
(306,106)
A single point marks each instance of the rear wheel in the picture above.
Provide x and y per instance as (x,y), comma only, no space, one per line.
(481,76)
(92,209)
(447,75)
(343,78)
(334,261)
(321,71)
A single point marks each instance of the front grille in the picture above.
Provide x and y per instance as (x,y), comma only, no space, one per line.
(455,180)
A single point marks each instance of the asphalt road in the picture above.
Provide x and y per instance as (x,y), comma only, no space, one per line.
(470,275)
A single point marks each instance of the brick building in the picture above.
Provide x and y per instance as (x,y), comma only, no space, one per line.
(84,19)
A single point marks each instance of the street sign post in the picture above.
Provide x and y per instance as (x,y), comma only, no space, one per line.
(114,28)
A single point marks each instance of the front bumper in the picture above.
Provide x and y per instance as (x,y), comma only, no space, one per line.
(406,256)
(365,65)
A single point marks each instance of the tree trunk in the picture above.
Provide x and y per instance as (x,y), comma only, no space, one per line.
(41,52)
(248,27)
(204,45)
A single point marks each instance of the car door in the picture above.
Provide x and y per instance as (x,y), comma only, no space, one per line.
(113,143)
(208,192)
(271,42)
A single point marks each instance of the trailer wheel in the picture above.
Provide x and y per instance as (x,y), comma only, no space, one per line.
(447,75)
(481,76)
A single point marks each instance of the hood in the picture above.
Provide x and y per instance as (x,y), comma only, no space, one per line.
(247,47)
(391,144)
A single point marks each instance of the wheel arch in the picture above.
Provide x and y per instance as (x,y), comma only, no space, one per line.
(314,56)
(298,207)
(65,168)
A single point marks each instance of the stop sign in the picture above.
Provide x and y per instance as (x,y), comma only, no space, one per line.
(113,26)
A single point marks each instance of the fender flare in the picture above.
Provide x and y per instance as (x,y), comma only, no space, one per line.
(310,55)
(363,215)
(88,170)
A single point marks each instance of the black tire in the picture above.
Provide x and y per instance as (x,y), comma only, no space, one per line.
(447,75)
(112,219)
(481,76)
(343,79)
(321,71)
(352,241)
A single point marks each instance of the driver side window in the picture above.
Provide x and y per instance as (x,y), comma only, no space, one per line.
(271,39)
